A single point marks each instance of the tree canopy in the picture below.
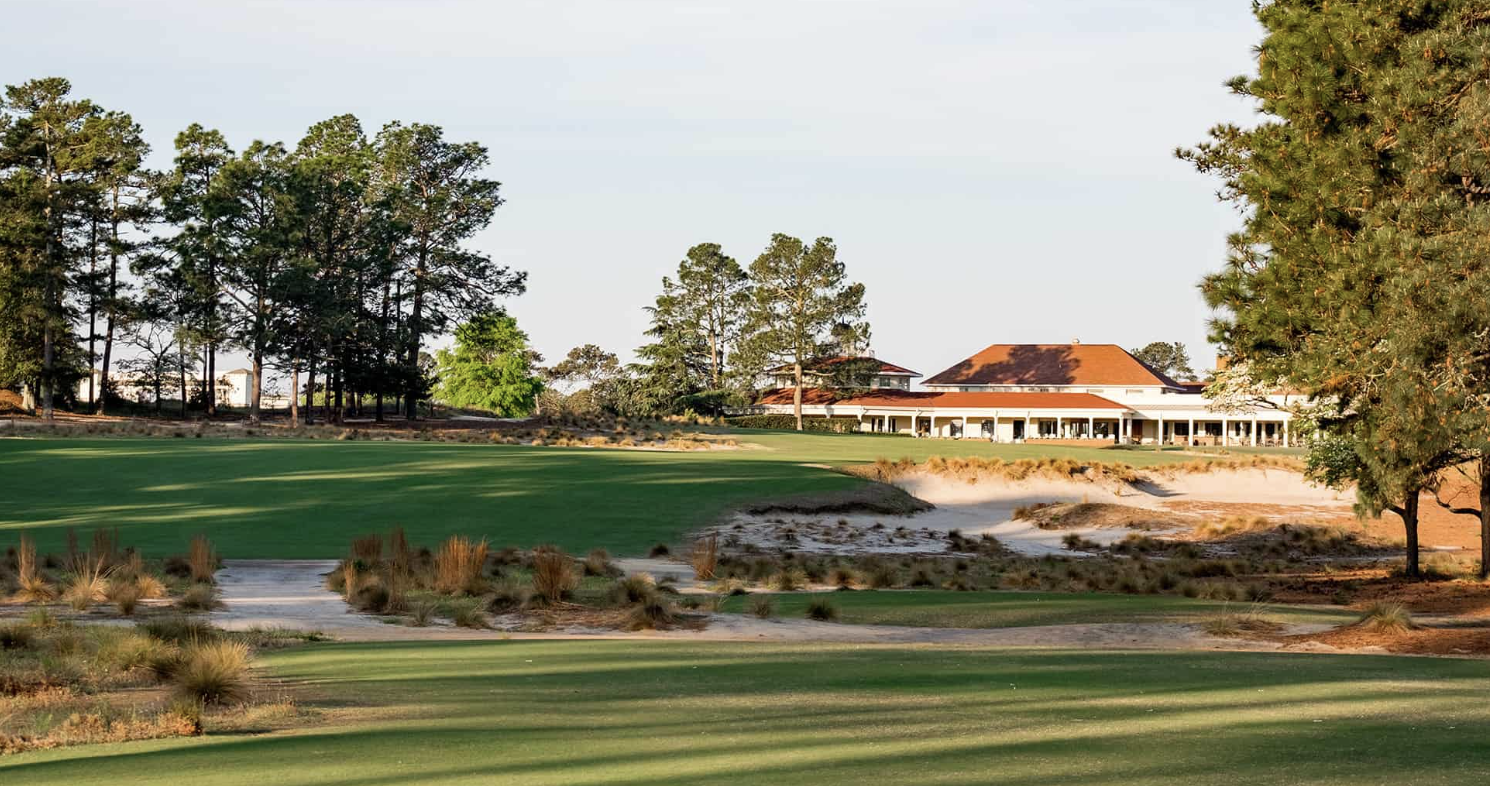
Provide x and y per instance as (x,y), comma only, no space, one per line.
(491,368)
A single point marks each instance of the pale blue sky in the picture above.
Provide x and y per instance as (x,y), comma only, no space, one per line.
(995,171)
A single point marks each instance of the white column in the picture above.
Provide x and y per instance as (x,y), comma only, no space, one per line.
(1091,431)
(1058,426)
(1225,431)
(1159,437)
(1254,431)
(1285,435)
(1027,425)
(933,424)
(964,428)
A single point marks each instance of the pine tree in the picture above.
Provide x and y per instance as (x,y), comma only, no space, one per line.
(803,306)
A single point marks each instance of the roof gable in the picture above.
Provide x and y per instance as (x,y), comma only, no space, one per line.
(1052,365)
(826,364)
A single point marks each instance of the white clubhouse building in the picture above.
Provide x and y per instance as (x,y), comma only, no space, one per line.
(1026,392)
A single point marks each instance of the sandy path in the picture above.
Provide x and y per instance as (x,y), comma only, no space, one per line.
(289,594)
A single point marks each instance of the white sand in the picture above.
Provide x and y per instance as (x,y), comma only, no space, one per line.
(987,507)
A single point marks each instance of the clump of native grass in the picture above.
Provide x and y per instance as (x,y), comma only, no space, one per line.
(1386,617)
(704,557)
(201,558)
(212,672)
(598,563)
(553,574)
(34,587)
(1234,624)
(87,582)
(459,565)
(822,610)
(762,606)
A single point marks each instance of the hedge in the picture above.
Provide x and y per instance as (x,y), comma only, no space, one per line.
(789,423)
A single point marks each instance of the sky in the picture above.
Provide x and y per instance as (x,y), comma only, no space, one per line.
(999,171)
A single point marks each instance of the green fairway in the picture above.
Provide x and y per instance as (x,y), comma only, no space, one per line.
(297,499)
(731,713)
(947,609)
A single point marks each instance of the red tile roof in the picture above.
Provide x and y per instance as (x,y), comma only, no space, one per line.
(826,363)
(932,400)
(1051,364)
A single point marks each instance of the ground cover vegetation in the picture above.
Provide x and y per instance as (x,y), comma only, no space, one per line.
(63,683)
(803,712)
(468,584)
(105,578)
(1357,276)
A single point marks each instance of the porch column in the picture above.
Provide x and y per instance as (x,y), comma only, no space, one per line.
(1254,431)
(1160,438)
(933,426)
(886,429)
(964,428)
(1058,425)
(1027,436)
(1285,435)
(1225,431)
(1190,434)
(1091,427)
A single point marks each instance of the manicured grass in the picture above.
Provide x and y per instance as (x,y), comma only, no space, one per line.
(745,713)
(272,498)
(841,449)
(947,609)
(297,499)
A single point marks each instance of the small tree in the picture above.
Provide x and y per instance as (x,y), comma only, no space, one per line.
(1169,359)
(803,306)
(491,368)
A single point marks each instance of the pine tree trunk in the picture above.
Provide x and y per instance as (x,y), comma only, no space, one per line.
(94,382)
(112,307)
(1409,515)
(416,316)
(1485,517)
(310,392)
(256,371)
(294,394)
(182,364)
(797,393)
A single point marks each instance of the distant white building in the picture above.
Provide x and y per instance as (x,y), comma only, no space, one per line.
(1026,392)
(232,389)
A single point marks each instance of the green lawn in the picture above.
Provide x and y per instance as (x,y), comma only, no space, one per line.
(295,499)
(947,609)
(744,713)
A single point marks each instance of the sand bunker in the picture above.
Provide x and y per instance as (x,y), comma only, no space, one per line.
(989,506)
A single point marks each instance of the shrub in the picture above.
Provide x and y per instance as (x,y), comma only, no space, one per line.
(633,589)
(401,557)
(468,615)
(704,556)
(842,578)
(508,596)
(16,636)
(1384,617)
(651,613)
(201,559)
(762,606)
(213,672)
(598,563)
(87,584)
(373,597)
(149,586)
(822,610)
(125,597)
(421,614)
(198,597)
(179,629)
(553,574)
(659,550)
(785,580)
(458,566)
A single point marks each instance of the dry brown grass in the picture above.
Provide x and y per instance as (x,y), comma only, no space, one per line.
(202,559)
(87,583)
(368,549)
(458,566)
(704,556)
(553,574)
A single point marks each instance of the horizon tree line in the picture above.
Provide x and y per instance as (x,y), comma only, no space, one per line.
(334,259)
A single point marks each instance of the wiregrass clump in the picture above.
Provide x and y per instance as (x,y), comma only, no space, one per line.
(201,558)
(704,557)
(1386,617)
(213,672)
(459,565)
(553,574)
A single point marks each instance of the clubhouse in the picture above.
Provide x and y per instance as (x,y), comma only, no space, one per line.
(1074,393)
